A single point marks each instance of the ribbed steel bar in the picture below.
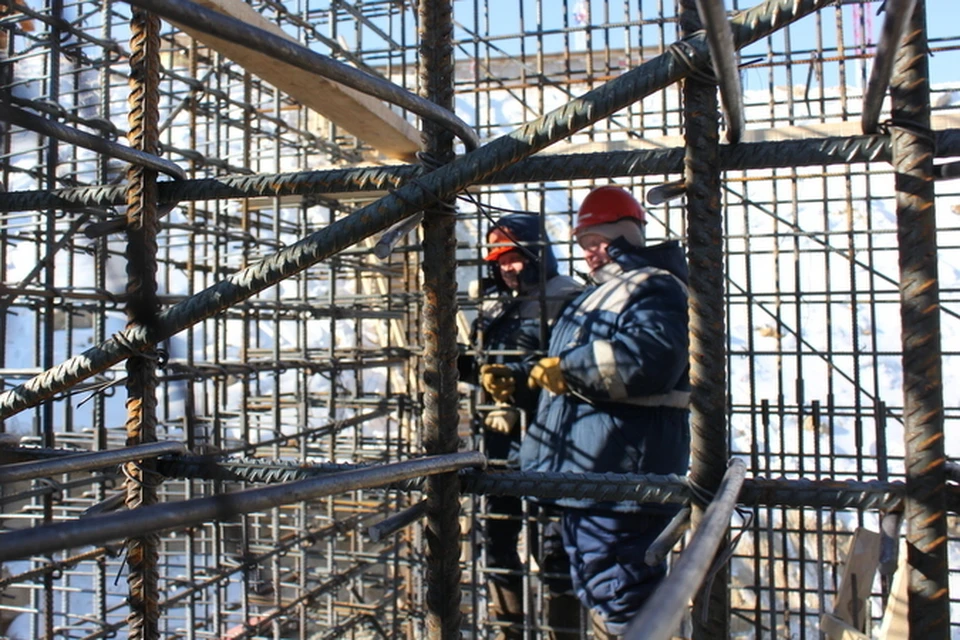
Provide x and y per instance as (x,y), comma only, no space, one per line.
(413,196)
(894,26)
(713,15)
(660,548)
(172,515)
(753,155)
(440,397)
(295,54)
(74,136)
(708,380)
(603,487)
(924,456)
(86,461)
(389,526)
(662,613)
(141,309)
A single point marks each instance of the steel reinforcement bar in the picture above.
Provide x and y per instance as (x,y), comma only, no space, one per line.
(612,164)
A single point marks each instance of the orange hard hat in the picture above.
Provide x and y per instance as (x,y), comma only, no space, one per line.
(501,241)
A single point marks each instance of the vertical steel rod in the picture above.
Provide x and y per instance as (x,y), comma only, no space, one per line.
(440,419)
(708,427)
(142,308)
(724,55)
(894,27)
(928,592)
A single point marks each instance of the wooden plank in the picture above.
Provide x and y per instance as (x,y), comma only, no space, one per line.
(863,558)
(363,116)
(836,629)
(895,624)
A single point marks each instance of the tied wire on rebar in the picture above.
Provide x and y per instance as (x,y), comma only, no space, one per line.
(925,506)
(708,428)
(441,399)
(141,476)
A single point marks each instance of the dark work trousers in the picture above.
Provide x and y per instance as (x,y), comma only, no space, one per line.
(606,551)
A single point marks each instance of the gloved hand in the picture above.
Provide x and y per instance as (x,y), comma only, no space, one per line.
(547,375)
(502,419)
(497,379)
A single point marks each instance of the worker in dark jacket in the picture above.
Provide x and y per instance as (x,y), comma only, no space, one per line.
(616,397)
(529,294)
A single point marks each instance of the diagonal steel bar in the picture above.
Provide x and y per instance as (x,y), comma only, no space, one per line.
(653,75)
(662,613)
(894,27)
(714,17)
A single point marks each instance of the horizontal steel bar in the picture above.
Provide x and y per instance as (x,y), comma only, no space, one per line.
(138,522)
(87,461)
(662,613)
(544,168)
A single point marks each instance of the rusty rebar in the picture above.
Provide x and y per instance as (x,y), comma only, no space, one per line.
(441,400)
(925,508)
(141,309)
(708,425)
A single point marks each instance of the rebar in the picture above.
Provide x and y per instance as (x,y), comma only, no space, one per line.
(165,516)
(661,614)
(141,309)
(80,138)
(925,508)
(613,164)
(441,399)
(713,16)
(86,461)
(898,14)
(708,427)
(393,524)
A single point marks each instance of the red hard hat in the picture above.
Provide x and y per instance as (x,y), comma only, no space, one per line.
(608,204)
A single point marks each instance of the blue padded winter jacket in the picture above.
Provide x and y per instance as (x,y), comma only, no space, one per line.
(623,349)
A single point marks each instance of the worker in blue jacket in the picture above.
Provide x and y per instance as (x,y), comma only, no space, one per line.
(616,396)
(528,293)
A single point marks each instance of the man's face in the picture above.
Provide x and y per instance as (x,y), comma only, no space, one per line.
(594,250)
(511,264)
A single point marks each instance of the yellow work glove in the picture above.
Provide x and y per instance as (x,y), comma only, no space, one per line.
(547,375)
(502,419)
(497,380)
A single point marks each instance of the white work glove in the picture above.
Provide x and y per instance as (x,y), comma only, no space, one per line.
(502,419)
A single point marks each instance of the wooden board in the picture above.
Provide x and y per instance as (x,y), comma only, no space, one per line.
(366,118)
(859,570)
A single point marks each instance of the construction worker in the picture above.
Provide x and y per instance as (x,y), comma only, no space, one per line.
(508,331)
(616,396)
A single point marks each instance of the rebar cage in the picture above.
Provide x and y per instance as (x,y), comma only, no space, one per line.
(225,289)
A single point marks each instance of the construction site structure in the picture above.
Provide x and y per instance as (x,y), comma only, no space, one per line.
(237,242)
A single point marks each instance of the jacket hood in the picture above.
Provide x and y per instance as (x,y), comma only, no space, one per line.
(666,255)
(525,228)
